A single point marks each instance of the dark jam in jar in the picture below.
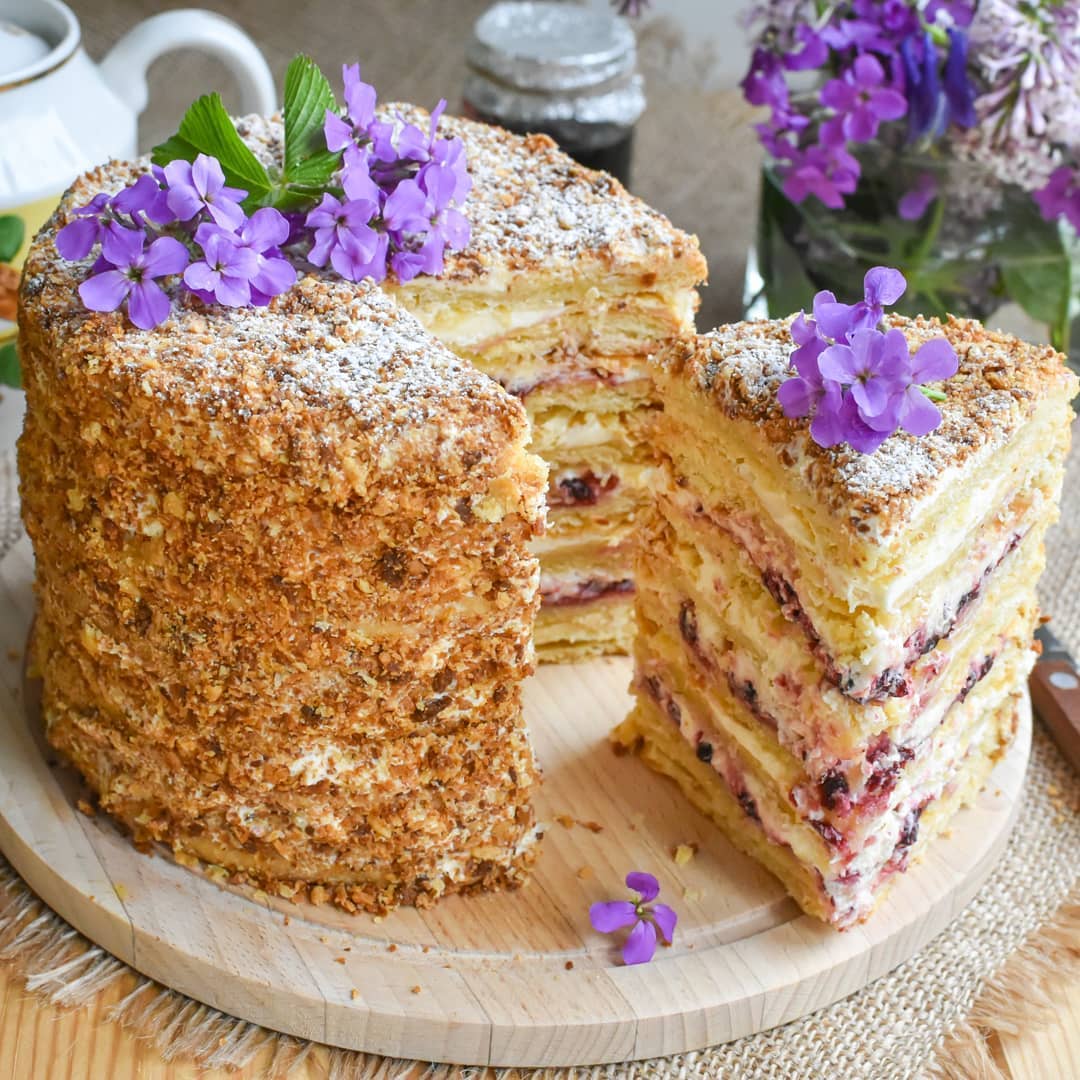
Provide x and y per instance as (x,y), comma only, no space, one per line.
(561,69)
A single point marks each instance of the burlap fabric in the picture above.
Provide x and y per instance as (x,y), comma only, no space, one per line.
(892,1029)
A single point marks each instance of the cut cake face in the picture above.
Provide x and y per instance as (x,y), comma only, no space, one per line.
(567,286)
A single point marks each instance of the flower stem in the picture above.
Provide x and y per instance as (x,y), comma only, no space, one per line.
(934,395)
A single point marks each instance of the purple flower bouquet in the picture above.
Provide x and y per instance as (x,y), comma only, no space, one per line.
(938,136)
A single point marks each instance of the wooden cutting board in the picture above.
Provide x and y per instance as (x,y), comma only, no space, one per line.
(516,978)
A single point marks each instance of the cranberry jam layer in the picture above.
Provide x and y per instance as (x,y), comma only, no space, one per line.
(831,646)
(570,285)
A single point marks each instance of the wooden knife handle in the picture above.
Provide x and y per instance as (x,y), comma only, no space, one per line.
(1055,693)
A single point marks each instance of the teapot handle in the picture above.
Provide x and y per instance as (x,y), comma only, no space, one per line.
(124,68)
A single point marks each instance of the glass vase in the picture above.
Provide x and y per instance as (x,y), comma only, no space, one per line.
(979,249)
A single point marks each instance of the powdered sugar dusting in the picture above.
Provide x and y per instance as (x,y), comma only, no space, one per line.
(999,383)
(530,203)
(345,349)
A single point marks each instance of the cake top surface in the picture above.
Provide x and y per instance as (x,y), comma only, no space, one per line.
(344,351)
(532,207)
(999,384)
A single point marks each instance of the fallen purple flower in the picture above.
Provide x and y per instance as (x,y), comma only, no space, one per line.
(643,915)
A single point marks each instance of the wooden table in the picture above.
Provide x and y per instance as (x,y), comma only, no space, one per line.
(41,1042)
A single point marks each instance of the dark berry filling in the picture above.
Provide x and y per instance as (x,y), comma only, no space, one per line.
(586,489)
(834,790)
(979,670)
(704,751)
(688,622)
(746,801)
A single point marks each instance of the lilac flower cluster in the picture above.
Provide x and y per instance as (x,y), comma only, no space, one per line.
(181,219)
(392,202)
(1026,59)
(878,61)
(857,382)
(401,189)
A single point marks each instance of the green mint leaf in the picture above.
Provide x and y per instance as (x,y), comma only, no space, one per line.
(10,374)
(12,232)
(315,171)
(208,129)
(308,95)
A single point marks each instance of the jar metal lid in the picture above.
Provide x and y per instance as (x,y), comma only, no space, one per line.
(540,45)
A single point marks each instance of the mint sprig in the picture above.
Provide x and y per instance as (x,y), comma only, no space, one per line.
(208,129)
(308,96)
(307,167)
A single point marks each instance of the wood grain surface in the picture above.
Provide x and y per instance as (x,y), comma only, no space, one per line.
(508,979)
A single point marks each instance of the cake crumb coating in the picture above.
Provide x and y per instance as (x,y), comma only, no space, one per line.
(285,597)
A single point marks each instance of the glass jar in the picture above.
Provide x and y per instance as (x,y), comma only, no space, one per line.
(561,69)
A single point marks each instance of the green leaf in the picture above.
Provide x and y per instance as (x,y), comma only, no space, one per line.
(1035,267)
(315,172)
(10,373)
(12,231)
(308,96)
(208,129)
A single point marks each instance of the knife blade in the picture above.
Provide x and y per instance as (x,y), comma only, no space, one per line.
(1055,694)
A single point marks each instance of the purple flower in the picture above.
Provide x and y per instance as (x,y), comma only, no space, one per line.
(813,54)
(201,186)
(344,237)
(131,275)
(764,83)
(830,173)
(76,239)
(913,204)
(959,91)
(862,99)
(643,915)
(910,408)
(919,61)
(144,198)
(1060,196)
(225,272)
(344,132)
(882,286)
(873,365)
(959,12)
(263,234)
(356,177)
(865,385)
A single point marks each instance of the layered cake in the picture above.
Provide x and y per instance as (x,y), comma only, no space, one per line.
(285,593)
(833,646)
(567,287)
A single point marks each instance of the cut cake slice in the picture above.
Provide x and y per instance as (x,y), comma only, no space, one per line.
(832,647)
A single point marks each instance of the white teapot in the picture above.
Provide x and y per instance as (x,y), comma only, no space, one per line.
(60,114)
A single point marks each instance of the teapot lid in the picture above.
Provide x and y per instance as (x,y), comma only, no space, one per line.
(19,48)
(35,37)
